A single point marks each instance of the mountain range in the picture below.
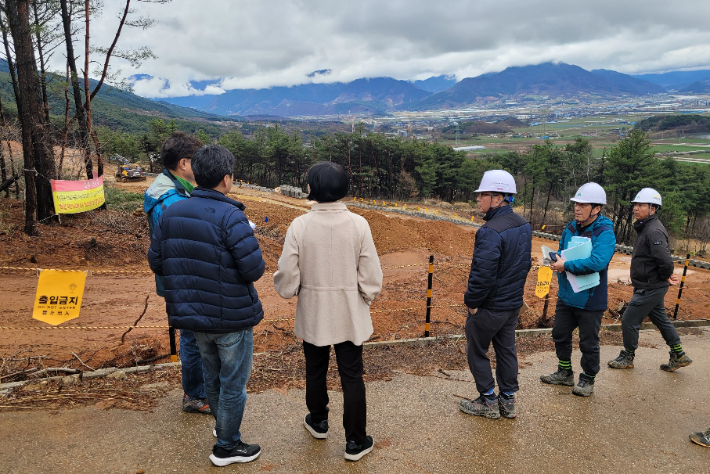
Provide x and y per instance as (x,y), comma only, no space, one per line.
(547,79)
(384,94)
(118,109)
(676,80)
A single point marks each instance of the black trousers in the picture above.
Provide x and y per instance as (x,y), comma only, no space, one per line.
(647,303)
(569,318)
(349,357)
(486,326)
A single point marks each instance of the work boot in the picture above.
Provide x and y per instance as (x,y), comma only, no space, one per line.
(481,407)
(585,386)
(195,405)
(624,361)
(703,439)
(506,407)
(677,360)
(561,377)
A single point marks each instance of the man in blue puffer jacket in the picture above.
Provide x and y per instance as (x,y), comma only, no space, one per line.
(501,262)
(171,186)
(583,310)
(207,252)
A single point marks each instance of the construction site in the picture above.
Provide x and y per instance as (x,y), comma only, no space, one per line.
(120,291)
(116,355)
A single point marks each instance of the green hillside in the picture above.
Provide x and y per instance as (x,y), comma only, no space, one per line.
(120,110)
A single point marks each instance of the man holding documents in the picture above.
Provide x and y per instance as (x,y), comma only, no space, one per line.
(501,262)
(651,275)
(586,247)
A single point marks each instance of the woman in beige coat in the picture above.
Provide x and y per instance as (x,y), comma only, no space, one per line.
(329,260)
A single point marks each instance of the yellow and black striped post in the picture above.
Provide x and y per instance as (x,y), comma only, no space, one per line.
(427,324)
(544,308)
(173,347)
(682,283)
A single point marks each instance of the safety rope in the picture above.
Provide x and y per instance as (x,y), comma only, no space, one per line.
(162,326)
(149,272)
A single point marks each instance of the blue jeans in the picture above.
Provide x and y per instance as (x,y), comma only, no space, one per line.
(193,378)
(227,359)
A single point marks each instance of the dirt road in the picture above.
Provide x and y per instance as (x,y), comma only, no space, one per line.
(636,421)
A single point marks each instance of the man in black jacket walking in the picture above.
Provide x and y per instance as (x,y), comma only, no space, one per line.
(501,262)
(651,275)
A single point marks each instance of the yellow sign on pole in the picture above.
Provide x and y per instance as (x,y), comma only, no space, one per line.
(544,277)
(59,295)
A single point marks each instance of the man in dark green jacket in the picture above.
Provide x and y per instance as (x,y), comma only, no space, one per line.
(651,275)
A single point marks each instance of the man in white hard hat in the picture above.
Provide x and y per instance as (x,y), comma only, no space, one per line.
(501,262)
(651,275)
(584,309)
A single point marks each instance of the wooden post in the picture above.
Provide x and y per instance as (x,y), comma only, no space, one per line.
(173,348)
(427,324)
(680,290)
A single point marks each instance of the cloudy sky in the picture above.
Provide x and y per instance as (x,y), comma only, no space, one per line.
(262,43)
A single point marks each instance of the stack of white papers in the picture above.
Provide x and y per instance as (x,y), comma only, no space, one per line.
(580,247)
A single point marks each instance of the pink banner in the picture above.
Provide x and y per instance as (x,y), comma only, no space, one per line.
(69,186)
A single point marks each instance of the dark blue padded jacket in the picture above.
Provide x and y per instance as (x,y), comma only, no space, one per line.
(207,252)
(501,261)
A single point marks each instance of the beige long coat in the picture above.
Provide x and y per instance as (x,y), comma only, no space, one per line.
(329,260)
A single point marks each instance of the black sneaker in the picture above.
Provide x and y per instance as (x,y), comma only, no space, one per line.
(701,438)
(195,405)
(355,452)
(242,452)
(624,361)
(561,377)
(317,430)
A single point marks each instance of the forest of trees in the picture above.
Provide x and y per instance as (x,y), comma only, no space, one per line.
(407,169)
(34,31)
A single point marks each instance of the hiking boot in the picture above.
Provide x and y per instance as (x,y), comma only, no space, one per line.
(561,377)
(481,407)
(506,407)
(677,360)
(355,452)
(703,439)
(317,430)
(624,361)
(195,405)
(241,453)
(585,386)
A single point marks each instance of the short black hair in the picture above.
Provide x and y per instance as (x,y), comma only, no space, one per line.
(328,181)
(179,145)
(210,164)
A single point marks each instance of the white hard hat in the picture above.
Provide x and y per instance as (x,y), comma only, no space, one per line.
(648,196)
(497,181)
(590,193)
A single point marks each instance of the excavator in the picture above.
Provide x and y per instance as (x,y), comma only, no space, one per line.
(128,172)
